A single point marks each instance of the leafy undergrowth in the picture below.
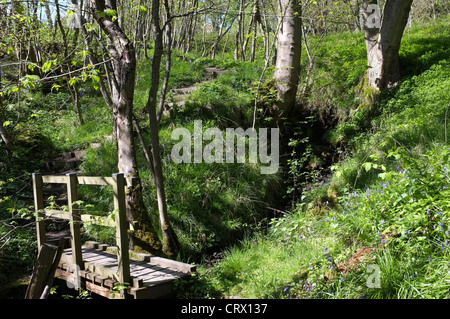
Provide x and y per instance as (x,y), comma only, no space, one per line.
(210,205)
(379,226)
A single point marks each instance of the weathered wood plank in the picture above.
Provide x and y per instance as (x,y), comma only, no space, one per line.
(148,280)
(94,180)
(123,257)
(82,180)
(161,290)
(75,219)
(172,264)
(39,210)
(43,272)
(102,291)
(54,179)
(56,213)
(85,218)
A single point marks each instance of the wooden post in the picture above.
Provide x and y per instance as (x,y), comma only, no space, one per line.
(123,255)
(75,219)
(39,209)
(43,272)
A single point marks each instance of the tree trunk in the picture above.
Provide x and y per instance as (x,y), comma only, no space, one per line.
(213,48)
(383,41)
(165,85)
(170,241)
(74,90)
(61,28)
(48,13)
(287,69)
(238,50)
(3,132)
(122,90)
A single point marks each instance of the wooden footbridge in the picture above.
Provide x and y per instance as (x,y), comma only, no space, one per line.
(112,272)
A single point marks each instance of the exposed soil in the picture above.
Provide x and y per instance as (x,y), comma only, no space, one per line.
(181,94)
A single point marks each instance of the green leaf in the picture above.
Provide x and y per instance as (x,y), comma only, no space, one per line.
(47,66)
(367,166)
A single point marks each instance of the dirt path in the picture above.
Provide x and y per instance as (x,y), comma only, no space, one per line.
(69,162)
(181,94)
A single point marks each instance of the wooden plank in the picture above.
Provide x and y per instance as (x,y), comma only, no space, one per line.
(159,291)
(148,280)
(123,257)
(39,210)
(75,220)
(53,268)
(172,264)
(43,270)
(105,290)
(82,180)
(85,218)
(166,263)
(54,179)
(56,213)
(102,291)
(93,180)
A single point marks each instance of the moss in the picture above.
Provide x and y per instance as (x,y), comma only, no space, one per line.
(332,196)
(145,242)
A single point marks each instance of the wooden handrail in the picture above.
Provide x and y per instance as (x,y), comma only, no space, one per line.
(118,183)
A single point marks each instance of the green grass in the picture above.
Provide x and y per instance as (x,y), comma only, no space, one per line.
(210,205)
(390,192)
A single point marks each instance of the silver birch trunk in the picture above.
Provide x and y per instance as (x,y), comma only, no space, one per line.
(383,39)
(287,68)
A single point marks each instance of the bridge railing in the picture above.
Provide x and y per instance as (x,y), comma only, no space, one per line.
(118,184)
